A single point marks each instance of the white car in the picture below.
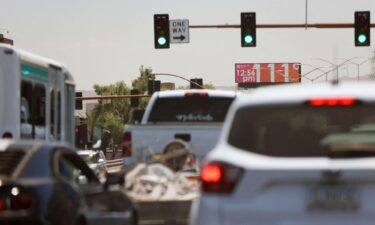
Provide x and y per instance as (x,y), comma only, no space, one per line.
(293,155)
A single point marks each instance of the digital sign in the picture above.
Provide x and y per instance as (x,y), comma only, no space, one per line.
(267,72)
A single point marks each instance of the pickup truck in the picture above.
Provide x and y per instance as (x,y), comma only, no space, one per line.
(190,119)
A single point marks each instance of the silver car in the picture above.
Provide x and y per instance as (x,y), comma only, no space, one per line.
(96,161)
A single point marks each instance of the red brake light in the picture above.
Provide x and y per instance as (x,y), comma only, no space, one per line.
(196,94)
(126,144)
(2,203)
(16,198)
(7,135)
(218,177)
(21,201)
(211,173)
(338,101)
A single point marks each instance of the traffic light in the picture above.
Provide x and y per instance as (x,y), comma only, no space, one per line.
(248,29)
(198,81)
(161,30)
(81,136)
(134,101)
(153,86)
(79,102)
(362,28)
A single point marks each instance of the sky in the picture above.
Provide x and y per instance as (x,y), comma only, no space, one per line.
(103,42)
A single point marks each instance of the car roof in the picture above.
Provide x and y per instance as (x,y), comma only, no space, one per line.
(211,93)
(298,93)
(19,157)
(10,144)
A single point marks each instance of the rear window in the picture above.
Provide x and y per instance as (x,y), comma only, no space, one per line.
(190,109)
(9,161)
(301,131)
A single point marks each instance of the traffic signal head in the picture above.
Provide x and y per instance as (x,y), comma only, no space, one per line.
(79,102)
(362,28)
(153,86)
(198,81)
(161,30)
(134,101)
(248,29)
(81,136)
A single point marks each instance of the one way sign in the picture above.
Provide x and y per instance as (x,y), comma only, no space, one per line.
(179,31)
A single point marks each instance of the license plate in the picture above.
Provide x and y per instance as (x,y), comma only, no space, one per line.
(333,197)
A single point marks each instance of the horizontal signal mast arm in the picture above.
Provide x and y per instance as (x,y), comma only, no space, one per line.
(313,25)
(112,96)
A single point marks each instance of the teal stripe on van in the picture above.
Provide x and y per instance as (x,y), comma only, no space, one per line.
(34,72)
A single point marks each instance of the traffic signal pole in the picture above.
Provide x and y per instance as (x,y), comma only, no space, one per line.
(136,96)
(286,25)
(111,97)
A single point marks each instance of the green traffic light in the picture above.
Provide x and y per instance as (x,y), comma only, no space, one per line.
(248,39)
(362,38)
(162,40)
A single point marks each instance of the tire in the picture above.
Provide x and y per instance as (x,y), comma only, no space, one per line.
(174,146)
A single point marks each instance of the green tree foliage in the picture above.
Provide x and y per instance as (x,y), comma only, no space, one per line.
(113,114)
(145,74)
(209,86)
(206,86)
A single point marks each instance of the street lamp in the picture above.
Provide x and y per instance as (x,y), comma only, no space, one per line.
(351,62)
(332,64)
(372,58)
(336,65)
(315,69)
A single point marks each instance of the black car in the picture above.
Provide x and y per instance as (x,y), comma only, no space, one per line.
(44,183)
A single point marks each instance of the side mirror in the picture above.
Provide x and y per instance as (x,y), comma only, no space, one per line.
(114,179)
(100,160)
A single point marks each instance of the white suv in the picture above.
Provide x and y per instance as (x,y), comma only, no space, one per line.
(293,155)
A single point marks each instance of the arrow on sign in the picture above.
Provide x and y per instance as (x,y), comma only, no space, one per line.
(181,37)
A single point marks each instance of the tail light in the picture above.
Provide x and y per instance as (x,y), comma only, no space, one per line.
(127,144)
(7,135)
(16,199)
(196,94)
(219,177)
(21,201)
(338,101)
(2,203)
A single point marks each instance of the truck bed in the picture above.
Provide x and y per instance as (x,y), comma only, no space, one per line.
(151,139)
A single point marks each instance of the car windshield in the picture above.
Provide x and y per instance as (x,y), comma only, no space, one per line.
(190,109)
(303,131)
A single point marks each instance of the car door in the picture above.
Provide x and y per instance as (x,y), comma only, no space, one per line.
(68,198)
